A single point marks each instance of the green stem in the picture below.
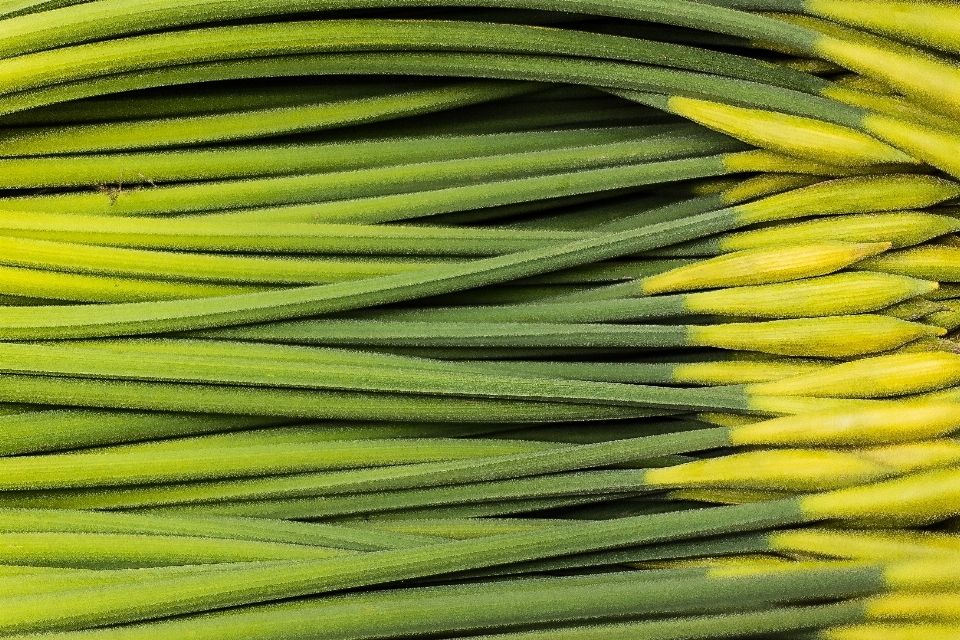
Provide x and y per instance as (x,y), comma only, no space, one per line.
(358,333)
(293,403)
(53,430)
(126,551)
(217,98)
(401,206)
(241,125)
(105,468)
(337,536)
(599,484)
(275,160)
(777,622)
(197,235)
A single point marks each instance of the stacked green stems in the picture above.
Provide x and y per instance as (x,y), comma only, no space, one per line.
(78,24)
(760,470)
(315,496)
(391,207)
(241,125)
(292,403)
(303,37)
(558,600)
(840,196)
(854,116)
(81,522)
(540,459)
(510,603)
(661,143)
(932,495)
(598,484)
(492,66)
(357,243)
(114,368)
(217,98)
(173,445)
(84,23)
(263,160)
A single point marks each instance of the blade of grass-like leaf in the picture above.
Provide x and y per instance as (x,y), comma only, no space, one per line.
(829,337)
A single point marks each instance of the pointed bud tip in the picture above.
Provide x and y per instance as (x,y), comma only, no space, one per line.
(867,249)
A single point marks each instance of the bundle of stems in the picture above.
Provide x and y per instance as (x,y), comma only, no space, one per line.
(508,319)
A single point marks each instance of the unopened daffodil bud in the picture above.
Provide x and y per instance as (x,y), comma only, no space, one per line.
(876,424)
(761,266)
(892,375)
(832,337)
